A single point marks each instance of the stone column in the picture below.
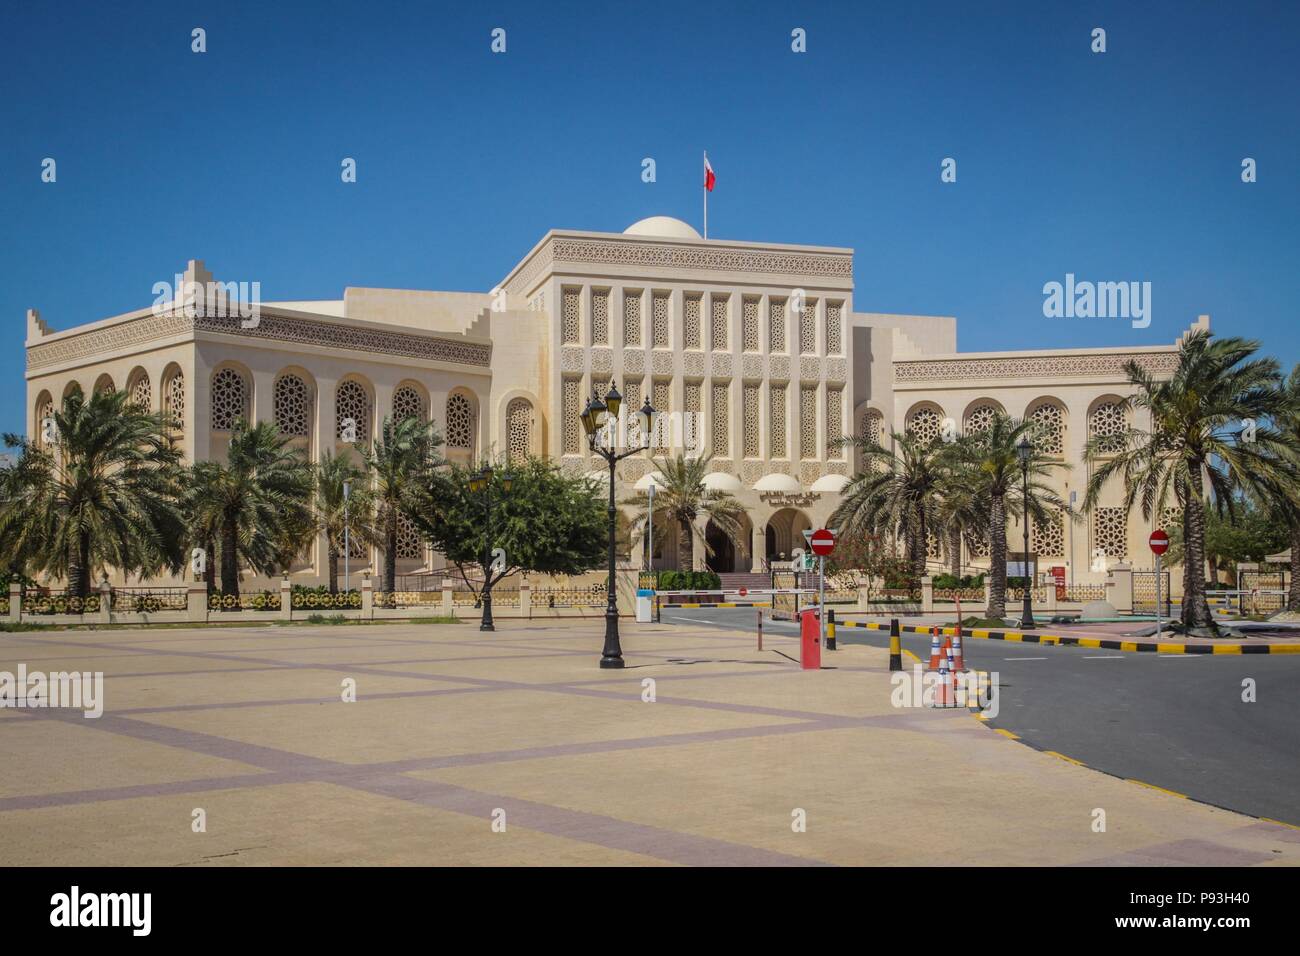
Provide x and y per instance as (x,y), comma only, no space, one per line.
(286,599)
(448,609)
(927,594)
(196,601)
(525,599)
(758,548)
(105,601)
(367,597)
(15,602)
(1119,588)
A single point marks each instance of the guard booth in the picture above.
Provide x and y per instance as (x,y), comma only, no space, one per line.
(785,607)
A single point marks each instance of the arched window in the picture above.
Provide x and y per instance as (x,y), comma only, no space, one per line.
(104,385)
(44,412)
(1048,432)
(174,399)
(410,546)
(408,403)
(460,422)
(1108,423)
(925,423)
(980,417)
(229,399)
(140,390)
(292,405)
(352,402)
(519,430)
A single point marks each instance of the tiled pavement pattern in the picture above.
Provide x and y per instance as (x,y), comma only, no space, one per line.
(451,724)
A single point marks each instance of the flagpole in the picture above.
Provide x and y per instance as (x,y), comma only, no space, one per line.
(706,194)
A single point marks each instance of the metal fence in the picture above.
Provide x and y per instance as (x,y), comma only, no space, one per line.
(1144,593)
(48,601)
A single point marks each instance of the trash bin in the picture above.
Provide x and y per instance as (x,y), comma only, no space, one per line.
(810,640)
(644,598)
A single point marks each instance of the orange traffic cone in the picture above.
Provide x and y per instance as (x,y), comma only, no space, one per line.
(956,652)
(935,653)
(943,692)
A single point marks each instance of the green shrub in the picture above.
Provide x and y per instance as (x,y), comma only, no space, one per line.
(688,581)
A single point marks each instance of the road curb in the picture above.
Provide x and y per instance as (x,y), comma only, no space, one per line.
(1016,738)
(1139,647)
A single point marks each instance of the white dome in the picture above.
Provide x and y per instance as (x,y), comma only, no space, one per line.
(830,483)
(721,481)
(662,226)
(645,481)
(777,482)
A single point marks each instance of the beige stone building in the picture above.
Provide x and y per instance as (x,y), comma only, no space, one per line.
(756,349)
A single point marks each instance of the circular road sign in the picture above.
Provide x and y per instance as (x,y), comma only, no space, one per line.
(1159,542)
(823,542)
(744,591)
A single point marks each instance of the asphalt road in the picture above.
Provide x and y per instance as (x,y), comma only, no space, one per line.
(1175,721)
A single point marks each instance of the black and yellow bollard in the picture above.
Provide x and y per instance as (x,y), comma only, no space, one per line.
(895,646)
(830,629)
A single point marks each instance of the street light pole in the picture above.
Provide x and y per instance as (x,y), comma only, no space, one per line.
(347,543)
(1026,451)
(597,416)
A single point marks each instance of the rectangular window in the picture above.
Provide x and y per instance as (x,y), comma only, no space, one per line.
(808,328)
(749,323)
(718,322)
(776,326)
(808,421)
(659,318)
(776,421)
(691,321)
(720,442)
(834,423)
(752,400)
(663,405)
(834,340)
(572,413)
(632,403)
(571,317)
(599,316)
(632,318)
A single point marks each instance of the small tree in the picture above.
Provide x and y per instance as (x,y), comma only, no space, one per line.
(549,523)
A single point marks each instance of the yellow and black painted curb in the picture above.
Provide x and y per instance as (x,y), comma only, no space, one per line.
(1141,783)
(1156,647)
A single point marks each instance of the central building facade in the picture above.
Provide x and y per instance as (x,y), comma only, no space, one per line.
(757,349)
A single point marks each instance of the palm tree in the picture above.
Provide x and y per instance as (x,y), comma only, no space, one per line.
(332,471)
(256,503)
(401,462)
(896,494)
(1213,420)
(682,496)
(989,463)
(1285,502)
(105,495)
(963,511)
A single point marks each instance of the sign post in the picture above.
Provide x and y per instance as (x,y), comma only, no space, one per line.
(822,542)
(1159,542)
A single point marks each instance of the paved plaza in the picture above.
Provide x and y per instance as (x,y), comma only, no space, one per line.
(513,748)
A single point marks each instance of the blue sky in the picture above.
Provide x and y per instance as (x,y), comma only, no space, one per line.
(1117,166)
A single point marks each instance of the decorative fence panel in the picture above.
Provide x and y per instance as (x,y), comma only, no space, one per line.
(256,601)
(149,600)
(1144,592)
(60,602)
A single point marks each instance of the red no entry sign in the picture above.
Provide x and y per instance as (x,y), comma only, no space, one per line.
(1159,542)
(822,541)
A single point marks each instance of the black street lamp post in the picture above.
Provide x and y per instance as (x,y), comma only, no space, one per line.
(602,415)
(1025,451)
(482,481)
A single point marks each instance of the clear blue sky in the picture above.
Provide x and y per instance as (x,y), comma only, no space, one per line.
(1118,166)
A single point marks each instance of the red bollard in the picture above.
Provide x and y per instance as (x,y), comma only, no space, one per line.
(810,641)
